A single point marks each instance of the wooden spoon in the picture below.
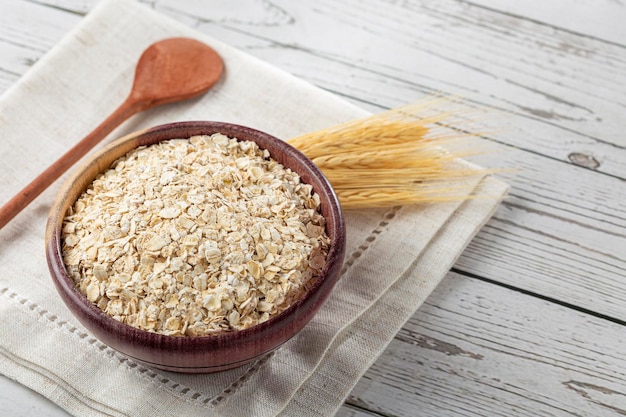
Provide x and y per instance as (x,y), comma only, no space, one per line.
(169,70)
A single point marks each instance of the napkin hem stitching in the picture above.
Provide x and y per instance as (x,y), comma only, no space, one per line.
(232,388)
(367,242)
(187,394)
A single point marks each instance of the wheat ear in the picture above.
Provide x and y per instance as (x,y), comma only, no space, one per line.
(402,156)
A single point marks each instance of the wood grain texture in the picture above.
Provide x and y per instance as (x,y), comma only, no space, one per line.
(27,32)
(478,349)
(549,80)
(583,19)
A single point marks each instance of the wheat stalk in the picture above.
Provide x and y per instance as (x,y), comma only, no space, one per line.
(398,157)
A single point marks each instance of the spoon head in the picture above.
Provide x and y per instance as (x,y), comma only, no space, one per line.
(175,69)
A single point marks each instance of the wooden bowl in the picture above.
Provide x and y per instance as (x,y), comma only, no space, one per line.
(196,354)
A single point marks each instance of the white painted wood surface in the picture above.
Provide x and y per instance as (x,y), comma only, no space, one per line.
(531,322)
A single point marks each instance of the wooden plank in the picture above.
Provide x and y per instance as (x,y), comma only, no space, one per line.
(583,19)
(560,238)
(479,349)
(27,32)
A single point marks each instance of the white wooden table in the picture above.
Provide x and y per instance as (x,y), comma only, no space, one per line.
(532,319)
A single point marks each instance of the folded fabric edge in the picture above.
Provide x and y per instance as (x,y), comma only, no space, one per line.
(338,372)
(46,383)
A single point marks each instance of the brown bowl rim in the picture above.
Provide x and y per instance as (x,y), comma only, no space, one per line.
(67,288)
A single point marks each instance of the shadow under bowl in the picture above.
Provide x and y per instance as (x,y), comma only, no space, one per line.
(196,354)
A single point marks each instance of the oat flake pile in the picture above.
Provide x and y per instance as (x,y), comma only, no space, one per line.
(192,237)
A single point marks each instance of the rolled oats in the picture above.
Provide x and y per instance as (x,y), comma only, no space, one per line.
(192,237)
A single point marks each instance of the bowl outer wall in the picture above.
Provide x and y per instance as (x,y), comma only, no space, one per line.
(200,353)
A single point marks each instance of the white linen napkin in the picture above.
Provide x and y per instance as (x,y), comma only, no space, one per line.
(396,257)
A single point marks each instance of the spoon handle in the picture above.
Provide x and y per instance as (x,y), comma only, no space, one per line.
(129,107)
